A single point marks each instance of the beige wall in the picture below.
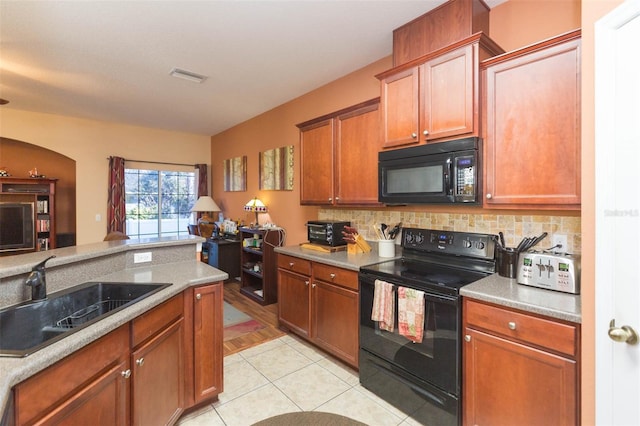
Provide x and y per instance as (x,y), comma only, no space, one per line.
(89,143)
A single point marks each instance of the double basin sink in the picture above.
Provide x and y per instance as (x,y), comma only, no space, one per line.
(30,326)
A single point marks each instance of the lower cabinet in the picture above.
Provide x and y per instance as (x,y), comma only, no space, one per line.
(518,368)
(146,372)
(320,303)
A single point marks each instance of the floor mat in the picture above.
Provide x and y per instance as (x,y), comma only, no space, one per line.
(233,316)
(233,331)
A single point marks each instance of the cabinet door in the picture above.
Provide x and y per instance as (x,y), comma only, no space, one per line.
(507,383)
(158,377)
(357,146)
(293,301)
(449,95)
(399,107)
(316,153)
(104,401)
(335,320)
(207,341)
(532,141)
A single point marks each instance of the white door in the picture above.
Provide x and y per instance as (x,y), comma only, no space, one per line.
(617,91)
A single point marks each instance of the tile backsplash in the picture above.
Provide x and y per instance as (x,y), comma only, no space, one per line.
(514,227)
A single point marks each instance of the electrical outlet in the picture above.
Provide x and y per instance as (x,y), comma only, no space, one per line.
(142,257)
(560,242)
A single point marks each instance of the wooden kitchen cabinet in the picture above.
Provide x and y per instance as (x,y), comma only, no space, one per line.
(88,387)
(518,368)
(320,303)
(532,132)
(294,279)
(158,364)
(435,97)
(207,302)
(339,156)
(145,372)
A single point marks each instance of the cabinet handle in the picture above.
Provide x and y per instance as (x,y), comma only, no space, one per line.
(306,282)
(337,198)
(126,373)
(414,135)
(489,196)
(333,276)
(512,325)
(330,199)
(198,296)
(140,362)
(425,132)
(313,285)
(467,338)
(290,264)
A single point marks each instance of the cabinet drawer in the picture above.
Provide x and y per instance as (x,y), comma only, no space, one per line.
(294,264)
(335,275)
(547,333)
(153,321)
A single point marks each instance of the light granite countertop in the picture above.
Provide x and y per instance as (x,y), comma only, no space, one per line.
(507,292)
(494,288)
(181,274)
(340,259)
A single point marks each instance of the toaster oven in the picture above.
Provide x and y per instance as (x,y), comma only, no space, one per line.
(326,232)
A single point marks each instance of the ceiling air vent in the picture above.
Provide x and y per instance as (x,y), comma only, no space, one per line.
(187,75)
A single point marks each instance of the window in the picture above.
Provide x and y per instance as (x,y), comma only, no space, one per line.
(158,202)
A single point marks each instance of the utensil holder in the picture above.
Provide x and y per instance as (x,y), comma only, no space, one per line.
(386,248)
(507,261)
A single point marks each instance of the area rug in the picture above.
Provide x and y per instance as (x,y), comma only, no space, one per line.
(232,316)
(309,418)
(237,323)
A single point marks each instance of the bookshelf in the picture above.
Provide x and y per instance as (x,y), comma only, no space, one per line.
(40,191)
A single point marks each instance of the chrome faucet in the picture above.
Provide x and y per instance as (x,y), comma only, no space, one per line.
(37,280)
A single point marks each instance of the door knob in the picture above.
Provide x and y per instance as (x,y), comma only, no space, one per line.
(624,334)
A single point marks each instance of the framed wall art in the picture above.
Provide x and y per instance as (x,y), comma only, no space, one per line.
(276,169)
(235,174)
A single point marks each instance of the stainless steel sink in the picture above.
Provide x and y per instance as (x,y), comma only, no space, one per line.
(30,326)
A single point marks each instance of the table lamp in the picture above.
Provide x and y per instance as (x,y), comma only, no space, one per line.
(256,206)
(204,205)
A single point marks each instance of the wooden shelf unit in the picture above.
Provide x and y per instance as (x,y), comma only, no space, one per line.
(258,269)
(40,191)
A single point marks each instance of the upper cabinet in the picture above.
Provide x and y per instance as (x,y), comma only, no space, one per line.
(453,21)
(435,97)
(339,157)
(532,126)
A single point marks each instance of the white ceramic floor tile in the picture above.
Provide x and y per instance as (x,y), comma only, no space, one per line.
(267,346)
(311,386)
(239,379)
(257,405)
(359,407)
(278,362)
(206,417)
(308,350)
(230,359)
(341,370)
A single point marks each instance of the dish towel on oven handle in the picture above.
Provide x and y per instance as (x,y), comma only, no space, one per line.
(411,313)
(383,304)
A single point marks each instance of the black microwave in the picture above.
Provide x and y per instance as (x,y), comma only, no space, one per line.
(326,232)
(435,173)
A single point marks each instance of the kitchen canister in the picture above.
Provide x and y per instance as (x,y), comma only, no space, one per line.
(386,248)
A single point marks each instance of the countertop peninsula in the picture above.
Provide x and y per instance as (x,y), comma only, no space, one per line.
(174,261)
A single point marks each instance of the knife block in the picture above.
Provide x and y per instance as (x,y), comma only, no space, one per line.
(361,246)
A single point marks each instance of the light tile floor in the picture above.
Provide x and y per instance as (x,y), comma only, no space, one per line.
(288,374)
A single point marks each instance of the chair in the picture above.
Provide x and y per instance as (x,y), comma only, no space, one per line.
(115,236)
(193,229)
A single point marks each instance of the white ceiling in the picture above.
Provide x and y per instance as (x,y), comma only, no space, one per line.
(110,60)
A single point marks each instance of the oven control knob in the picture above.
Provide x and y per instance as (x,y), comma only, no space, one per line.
(409,237)
(479,245)
(419,238)
(466,243)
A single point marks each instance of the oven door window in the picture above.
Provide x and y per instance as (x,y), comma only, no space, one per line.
(435,359)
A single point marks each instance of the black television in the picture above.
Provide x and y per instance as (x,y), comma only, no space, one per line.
(16,226)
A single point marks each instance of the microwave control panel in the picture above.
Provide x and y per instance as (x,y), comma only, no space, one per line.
(465,178)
